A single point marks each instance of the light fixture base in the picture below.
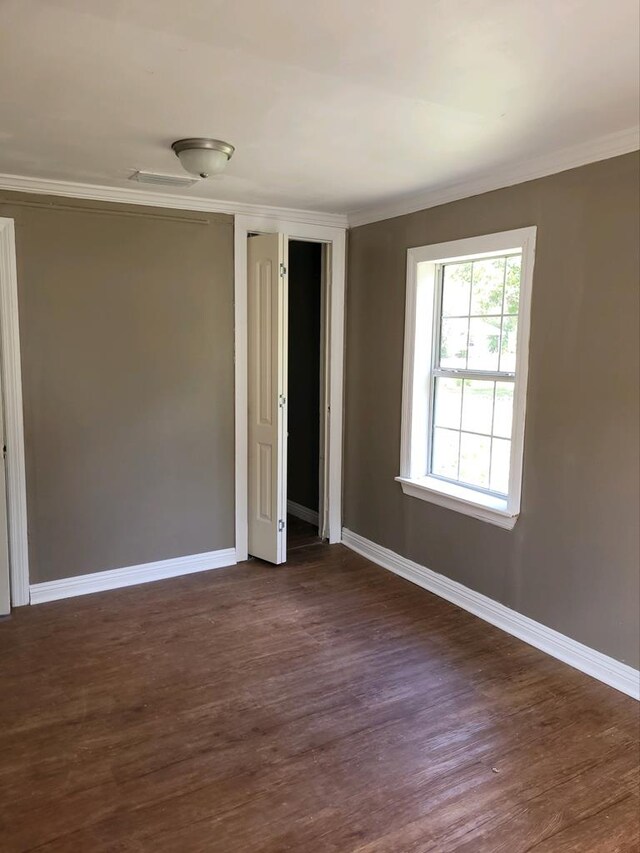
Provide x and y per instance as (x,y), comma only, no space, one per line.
(203,142)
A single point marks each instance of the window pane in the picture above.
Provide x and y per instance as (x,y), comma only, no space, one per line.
(477,409)
(456,287)
(512,285)
(503,415)
(500,461)
(448,402)
(444,457)
(509,341)
(475,453)
(472,418)
(488,283)
(484,343)
(453,343)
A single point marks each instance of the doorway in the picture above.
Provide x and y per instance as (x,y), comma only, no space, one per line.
(304,393)
(263,281)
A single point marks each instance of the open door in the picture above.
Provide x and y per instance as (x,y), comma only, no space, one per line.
(267,380)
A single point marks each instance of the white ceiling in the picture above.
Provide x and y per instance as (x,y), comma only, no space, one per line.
(333,105)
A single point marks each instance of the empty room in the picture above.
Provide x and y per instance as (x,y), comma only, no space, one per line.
(320,413)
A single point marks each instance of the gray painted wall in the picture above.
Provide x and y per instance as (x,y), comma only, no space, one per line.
(126,323)
(305,280)
(571,561)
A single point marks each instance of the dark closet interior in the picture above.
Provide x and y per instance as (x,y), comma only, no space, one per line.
(305,284)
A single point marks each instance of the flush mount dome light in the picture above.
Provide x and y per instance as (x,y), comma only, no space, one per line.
(203,157)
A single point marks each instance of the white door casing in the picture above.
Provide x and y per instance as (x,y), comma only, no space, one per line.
(267,389)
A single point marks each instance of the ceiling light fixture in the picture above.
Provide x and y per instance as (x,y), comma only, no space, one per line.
(203,157)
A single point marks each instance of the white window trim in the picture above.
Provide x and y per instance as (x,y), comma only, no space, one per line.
(418,360)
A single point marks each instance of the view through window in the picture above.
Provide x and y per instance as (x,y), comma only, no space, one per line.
(472,381)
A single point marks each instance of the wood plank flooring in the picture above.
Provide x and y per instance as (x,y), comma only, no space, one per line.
(300,534)
(326,706)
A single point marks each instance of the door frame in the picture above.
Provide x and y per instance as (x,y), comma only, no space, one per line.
(14,426)
(335,239)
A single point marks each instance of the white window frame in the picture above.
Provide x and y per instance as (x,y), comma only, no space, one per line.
(419,354)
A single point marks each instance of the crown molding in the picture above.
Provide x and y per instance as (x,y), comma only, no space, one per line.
(125,195)
(612,145)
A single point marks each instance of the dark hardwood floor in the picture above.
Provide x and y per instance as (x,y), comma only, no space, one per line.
(301,534)
(325,706)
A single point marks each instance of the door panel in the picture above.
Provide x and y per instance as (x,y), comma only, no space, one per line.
(267,337)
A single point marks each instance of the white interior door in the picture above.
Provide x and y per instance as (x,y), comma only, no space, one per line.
(5,601)
(267,390)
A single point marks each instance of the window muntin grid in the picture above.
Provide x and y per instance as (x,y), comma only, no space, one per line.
(472,383)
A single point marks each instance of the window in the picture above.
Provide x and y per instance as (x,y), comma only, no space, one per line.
(465,373)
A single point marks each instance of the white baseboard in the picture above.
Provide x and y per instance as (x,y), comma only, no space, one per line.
(587,660)
(303,512)
(131,575)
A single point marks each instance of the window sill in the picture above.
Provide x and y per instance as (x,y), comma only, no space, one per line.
(460,499)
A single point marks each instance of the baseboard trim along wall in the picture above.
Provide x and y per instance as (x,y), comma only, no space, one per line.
(131,575)
(302,512)
(612,672)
